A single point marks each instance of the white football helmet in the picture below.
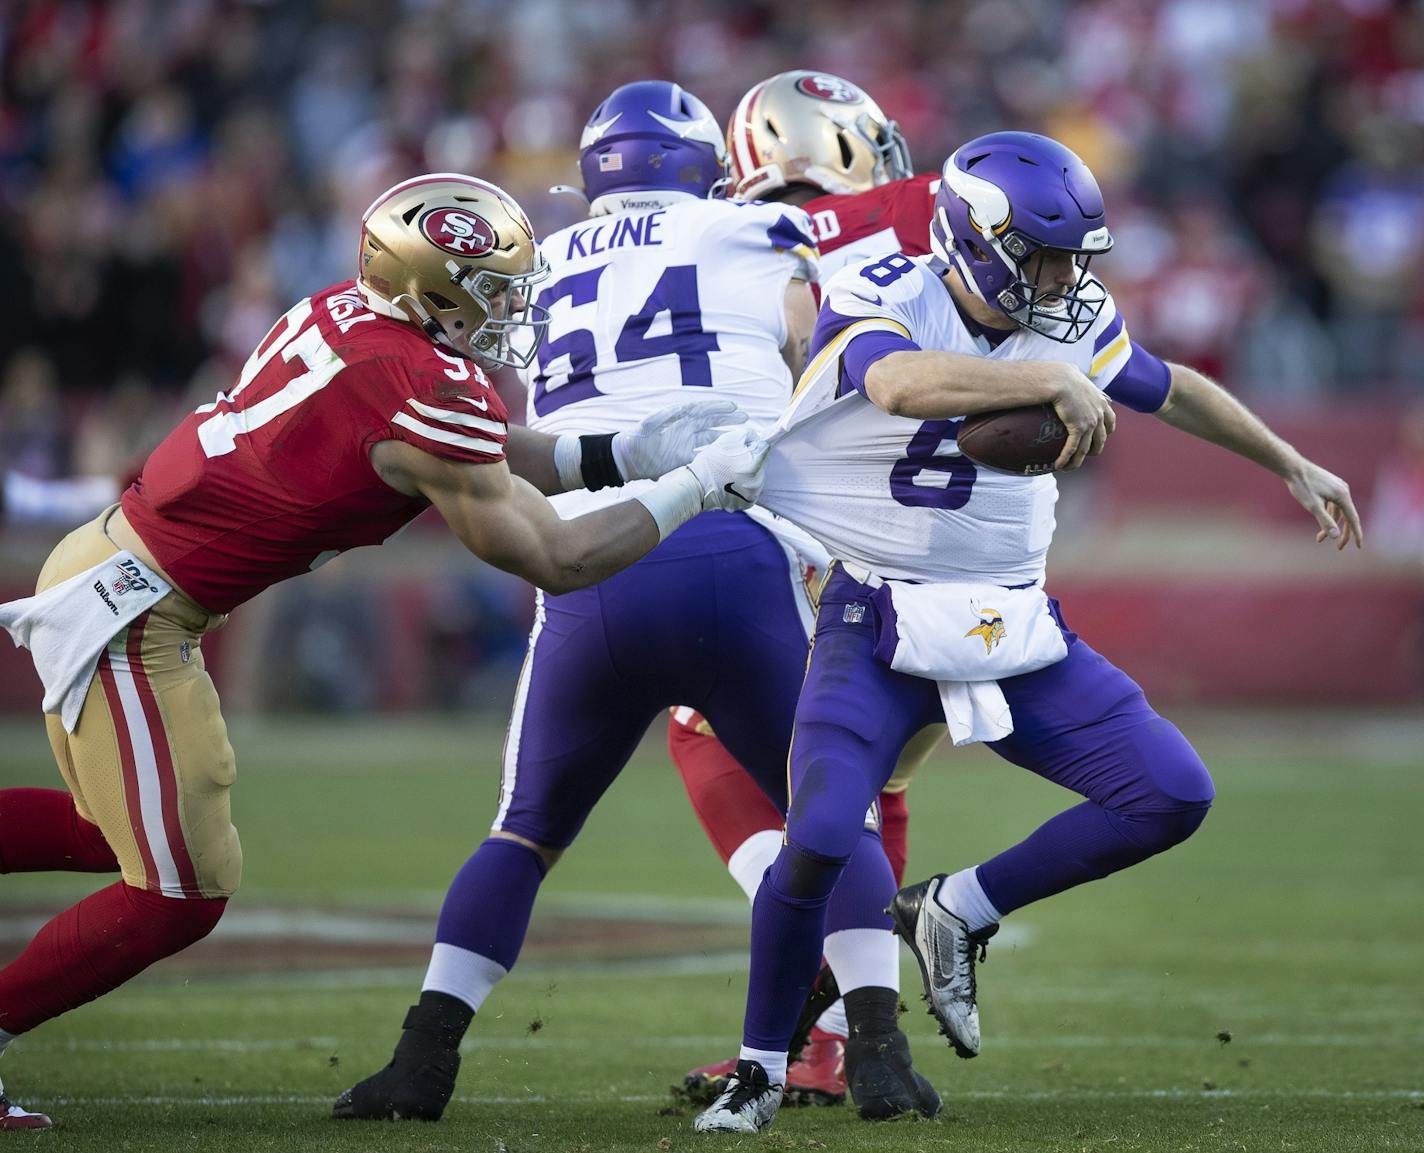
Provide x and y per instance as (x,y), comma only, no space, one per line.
(812,128)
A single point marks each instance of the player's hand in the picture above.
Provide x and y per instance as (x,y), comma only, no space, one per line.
(671,437)
(1327,498)
(730,470)
(1085,411)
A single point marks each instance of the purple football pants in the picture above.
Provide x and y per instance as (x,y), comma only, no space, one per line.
(708,619)
(1081,723)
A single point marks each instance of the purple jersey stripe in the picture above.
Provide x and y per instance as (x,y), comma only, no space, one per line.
(1108,335)
(787,234)
(1143,383)
(828,323)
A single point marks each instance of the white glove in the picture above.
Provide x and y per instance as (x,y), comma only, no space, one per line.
(729,470)
(671,437)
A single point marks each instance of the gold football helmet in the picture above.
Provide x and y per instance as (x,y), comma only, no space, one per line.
(812,128)
(456,256)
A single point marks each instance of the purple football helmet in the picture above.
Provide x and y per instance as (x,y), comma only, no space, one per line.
(1003,199)
(650,136)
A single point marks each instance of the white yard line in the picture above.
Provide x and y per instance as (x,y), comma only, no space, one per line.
(1075,1095)
(1241,1042)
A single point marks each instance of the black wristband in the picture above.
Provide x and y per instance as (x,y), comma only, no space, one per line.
(600,469)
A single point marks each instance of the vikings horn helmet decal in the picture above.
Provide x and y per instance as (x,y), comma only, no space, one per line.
(1006,197)
(456,256)
(812,128)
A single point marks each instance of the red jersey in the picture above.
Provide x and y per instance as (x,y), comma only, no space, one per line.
(274,477)
(855,226)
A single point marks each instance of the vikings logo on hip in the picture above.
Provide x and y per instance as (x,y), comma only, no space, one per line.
(455,230)
(830,88)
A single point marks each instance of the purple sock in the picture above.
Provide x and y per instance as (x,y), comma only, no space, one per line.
(487,908)
(788,928)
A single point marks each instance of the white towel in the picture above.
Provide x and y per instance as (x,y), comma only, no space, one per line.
(68,626)
(966,638)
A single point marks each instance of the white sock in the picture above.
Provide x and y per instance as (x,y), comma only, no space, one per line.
(963,895)
(752,858)
(773,1063)
(833,1021)
(863,957)
(463,974)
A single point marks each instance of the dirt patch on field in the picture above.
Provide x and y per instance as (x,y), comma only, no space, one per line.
(255,939)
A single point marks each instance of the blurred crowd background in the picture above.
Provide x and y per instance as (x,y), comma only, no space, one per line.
(175,173)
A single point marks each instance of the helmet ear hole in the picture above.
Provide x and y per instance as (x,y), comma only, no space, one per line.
(847,157)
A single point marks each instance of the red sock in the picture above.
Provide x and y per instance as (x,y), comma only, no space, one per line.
(40,829)
(96,946)
(895,832)
(725,798)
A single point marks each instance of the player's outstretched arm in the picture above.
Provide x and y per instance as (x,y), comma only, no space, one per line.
(927,384)
(1197,405)
(666,440)
(505,521)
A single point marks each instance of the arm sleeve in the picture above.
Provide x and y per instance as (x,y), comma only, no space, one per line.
(864,350)
(1126,371)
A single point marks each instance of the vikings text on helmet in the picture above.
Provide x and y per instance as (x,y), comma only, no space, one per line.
(456,256)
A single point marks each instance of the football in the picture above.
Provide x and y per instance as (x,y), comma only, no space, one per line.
(1019,440)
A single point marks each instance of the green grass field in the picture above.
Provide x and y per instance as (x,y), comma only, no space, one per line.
(1292,924)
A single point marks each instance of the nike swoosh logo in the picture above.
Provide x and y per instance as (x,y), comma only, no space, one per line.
(873,300)
(731,488)
(480,404)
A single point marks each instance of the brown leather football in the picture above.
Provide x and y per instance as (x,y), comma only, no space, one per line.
(1020,440)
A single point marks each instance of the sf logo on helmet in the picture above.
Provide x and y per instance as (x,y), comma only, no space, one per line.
(458,231)
(830,88)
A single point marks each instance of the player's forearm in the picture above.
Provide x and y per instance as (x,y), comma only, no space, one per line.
(1202,408)
(531,456)
(593,547)
(555,464)
(933,385)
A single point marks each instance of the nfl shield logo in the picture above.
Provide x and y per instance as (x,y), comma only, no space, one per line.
(185,652)
(853,614)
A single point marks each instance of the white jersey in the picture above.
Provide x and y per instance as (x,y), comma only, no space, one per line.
(894,494)
(654,307)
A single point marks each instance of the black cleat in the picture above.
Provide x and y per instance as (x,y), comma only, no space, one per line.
(415,1086)
(883,1083)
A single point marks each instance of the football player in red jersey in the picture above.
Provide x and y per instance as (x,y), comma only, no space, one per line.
(819,142)
(363,406)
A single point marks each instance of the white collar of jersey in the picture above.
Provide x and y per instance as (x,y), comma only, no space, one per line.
(637,201)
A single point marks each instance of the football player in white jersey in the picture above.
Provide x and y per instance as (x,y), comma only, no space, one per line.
(662,293)
(934,609)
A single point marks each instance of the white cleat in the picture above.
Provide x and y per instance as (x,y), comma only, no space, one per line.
(945,949)
(13,1117)
(747,1105)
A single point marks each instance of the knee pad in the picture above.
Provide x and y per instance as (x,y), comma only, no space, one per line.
(804,877)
